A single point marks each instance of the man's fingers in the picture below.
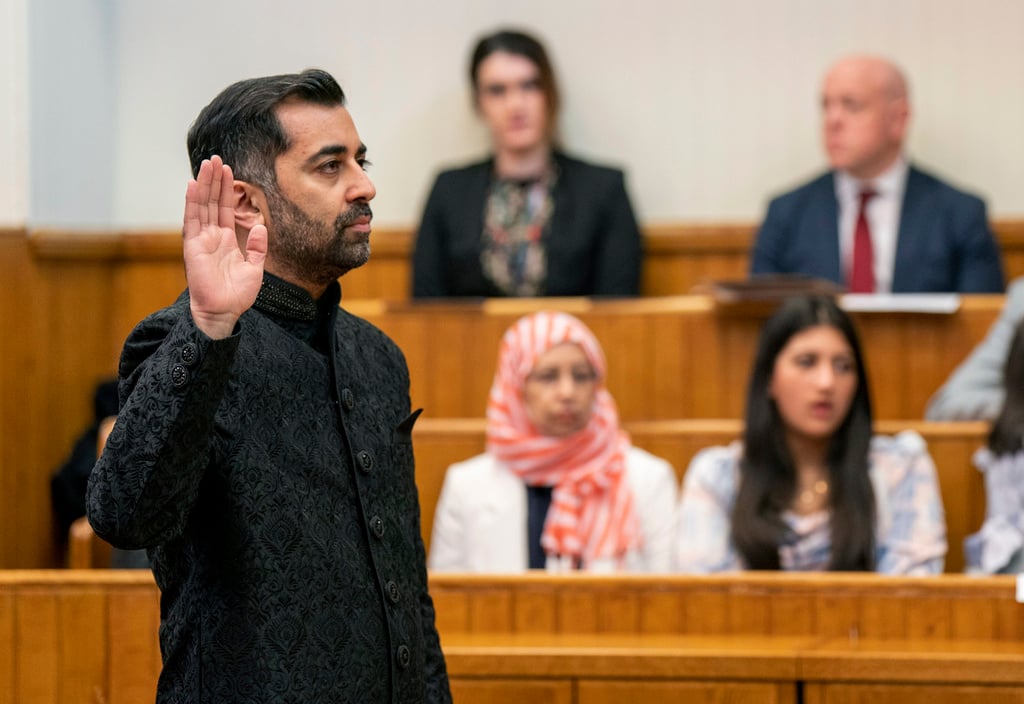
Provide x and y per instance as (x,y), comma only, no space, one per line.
(202,191)
(191,226)
(216,183)
(256,245)
(225,196)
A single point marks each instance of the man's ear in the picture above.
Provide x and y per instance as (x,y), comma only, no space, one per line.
(250,205)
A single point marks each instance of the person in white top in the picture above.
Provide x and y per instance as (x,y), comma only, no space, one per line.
(560,486)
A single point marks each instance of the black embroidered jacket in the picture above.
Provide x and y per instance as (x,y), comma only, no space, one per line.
(270,475)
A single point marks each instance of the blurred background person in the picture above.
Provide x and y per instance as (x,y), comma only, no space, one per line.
(975,390)
(560,486)
(809,487)
(529,220)
(875,223)
(997,547)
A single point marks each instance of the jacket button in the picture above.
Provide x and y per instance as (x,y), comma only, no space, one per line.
(377,526)
(179,375)
(189,354)
(404,656)
(392,590)
(365,460)
(348,399)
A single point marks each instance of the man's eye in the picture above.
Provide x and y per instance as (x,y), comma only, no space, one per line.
(495,91)
(329,167)
(365,164)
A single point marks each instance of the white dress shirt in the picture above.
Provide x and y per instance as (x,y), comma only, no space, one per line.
(883,216)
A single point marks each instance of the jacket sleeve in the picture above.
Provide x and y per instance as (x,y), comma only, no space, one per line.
(428,259)
(620,258)
(980,268)
(704,524)
(911,518)
(657,509)
(447,540)
(765,258)
(146,481)
(975,389)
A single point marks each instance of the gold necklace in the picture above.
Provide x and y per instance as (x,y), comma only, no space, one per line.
(810,495)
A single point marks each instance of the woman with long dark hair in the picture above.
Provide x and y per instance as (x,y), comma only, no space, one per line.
(529,220)
(810,487)
(999,546)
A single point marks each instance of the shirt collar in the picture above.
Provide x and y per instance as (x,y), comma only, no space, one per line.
(889,184)
(286,300)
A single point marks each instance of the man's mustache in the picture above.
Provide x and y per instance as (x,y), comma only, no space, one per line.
(349,217)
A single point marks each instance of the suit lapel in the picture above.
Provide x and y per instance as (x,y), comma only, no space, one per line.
(562,218)
(824,222)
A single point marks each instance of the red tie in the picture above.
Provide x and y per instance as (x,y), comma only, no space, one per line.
(862,272)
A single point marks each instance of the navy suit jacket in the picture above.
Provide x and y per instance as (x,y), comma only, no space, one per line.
(592,241)
(944,242)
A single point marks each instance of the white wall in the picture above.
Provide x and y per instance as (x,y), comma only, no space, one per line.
(710,105)
(74,136)
(13,114)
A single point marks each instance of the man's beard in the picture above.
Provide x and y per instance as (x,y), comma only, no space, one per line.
(312,251)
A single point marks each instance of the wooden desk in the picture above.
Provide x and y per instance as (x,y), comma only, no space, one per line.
(821,639)
(678,357)
(69,636)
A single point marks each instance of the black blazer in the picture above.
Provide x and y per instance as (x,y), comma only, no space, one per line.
(592,241)
(274,486)
(944,243)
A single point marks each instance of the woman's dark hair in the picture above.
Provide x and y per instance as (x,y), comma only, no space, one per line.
(767,471)
(241,126)
(1007,434)
(520,44)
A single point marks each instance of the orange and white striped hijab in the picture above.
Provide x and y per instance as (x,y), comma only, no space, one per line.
(592,514)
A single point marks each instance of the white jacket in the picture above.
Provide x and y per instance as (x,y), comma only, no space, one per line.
(480,519)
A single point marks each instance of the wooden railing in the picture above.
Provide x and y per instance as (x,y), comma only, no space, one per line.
(677,357)
(68,637)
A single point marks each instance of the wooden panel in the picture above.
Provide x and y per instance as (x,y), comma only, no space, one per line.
(83,659)
(8,652)
(612,692)
(134,624)
(466,690)
(90,636)
(851,607)
(911,694)
(679,357)
(37,648)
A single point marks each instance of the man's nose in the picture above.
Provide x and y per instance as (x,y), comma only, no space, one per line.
(361,189)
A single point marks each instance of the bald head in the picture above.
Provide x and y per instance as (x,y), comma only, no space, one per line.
(865,115)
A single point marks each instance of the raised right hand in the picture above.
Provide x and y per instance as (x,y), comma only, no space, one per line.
(222,279)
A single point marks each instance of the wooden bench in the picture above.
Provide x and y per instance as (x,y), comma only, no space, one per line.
(70,636)
(817,639)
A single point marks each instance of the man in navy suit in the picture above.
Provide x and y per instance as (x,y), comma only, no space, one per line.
(922,234)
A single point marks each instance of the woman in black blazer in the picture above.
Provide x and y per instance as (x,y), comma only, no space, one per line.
(529,220)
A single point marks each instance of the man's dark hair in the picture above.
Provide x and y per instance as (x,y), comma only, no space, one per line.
(241,126)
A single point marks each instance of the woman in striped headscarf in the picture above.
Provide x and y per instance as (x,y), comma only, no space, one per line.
(559,487)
